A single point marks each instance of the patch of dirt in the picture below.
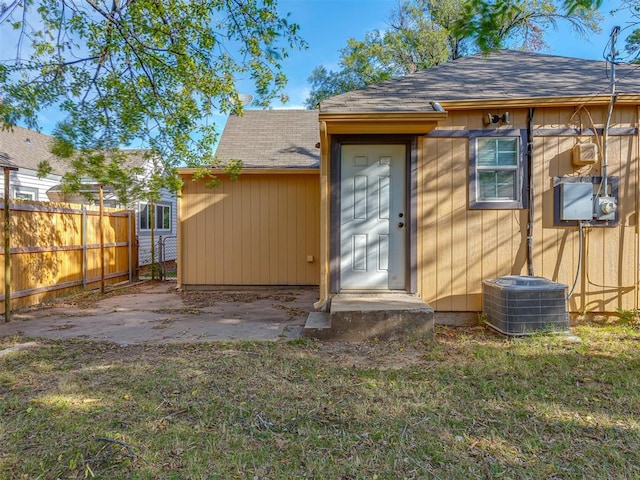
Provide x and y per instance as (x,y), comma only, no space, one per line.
(211,298)
(87,300)
(392,355)
(384,355)
(179,311)
(66,326)
(293,313)
(164,323)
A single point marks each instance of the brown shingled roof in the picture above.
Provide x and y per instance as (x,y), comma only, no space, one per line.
(25,148)
(504,74)
(272,139)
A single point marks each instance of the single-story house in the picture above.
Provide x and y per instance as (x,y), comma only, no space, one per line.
(26,149)
(514,163)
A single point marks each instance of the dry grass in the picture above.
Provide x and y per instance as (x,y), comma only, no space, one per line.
(474,405)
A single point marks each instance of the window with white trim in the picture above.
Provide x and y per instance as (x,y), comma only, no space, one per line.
(25,193)
(162,217)
(25,196)
(497,172)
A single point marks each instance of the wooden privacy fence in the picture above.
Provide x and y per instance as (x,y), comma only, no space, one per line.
(56,249)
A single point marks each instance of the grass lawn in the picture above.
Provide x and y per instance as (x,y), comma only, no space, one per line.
(472,405)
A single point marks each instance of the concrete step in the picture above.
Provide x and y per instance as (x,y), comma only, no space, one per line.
(318,325)
(365,316)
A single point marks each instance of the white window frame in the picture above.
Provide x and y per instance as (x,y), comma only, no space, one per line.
(516,201)
(19,193)
(166,210)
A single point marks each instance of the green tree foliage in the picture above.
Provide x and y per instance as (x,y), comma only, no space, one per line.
(631,9)
(137,72)
(424,33)
(485,20)
(572,5)
(494,24)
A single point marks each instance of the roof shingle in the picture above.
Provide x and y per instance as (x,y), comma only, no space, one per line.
(25,149)
(504,74)
(271,139)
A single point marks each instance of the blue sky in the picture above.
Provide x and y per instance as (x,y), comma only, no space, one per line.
(327,24)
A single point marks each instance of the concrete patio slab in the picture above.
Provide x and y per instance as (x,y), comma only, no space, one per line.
(154,312)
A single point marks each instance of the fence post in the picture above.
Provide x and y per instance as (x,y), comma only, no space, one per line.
(84,247)
(159,250)
(7,245)
(152,221)
(130,246)
(101,240)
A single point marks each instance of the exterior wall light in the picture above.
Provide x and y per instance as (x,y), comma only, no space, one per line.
(493,119)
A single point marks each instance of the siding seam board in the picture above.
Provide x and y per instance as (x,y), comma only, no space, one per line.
(538,132)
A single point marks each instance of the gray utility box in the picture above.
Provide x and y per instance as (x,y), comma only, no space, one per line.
(576,201)
(522,305)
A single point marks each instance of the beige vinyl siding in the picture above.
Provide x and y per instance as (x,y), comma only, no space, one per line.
(257,230)
(460,247)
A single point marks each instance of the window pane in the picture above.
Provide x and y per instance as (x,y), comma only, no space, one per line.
(497,185)
(507,151)
(497,151)
(25,196)
(486,185)
(167,218)
(163,217)
(506,158)
(507,144)
(486,152)
(158,218)
(506,185)
(144,218)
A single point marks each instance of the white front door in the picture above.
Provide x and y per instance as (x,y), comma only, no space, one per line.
(372,217)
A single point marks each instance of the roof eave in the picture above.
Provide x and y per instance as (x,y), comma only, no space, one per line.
(567,101)
(381,122)
(252,171)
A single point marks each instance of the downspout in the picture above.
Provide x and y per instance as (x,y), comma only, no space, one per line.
(530,192)
(324,298)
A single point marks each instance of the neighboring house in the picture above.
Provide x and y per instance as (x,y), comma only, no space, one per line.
(433,182)
(25,149)
(264,227)
(165,218)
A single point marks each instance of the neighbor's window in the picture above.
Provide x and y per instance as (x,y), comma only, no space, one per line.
(162,217)
(497,174)
(24,195)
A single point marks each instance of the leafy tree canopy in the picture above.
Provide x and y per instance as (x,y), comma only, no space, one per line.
(493,24)
(424,33)
(124,72)
(484,17)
